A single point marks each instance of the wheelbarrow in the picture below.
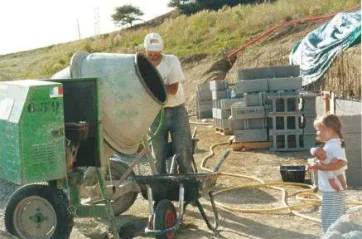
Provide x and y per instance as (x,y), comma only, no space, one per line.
(160,190)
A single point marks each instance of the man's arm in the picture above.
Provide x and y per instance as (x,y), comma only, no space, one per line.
(172,89)
(332,166)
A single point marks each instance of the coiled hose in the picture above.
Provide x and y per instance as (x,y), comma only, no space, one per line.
(307,196)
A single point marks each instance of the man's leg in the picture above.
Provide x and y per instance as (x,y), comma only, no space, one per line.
(159,143)
(180,131)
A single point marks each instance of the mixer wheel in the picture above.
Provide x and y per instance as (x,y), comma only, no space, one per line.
(38,211)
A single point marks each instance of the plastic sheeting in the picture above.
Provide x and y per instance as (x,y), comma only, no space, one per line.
(317,50)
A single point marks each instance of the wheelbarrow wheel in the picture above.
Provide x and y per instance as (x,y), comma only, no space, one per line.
(125,201)
(165,217)
(37,211)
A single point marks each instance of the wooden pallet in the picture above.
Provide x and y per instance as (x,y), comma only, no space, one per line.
(237,146)
(223,131)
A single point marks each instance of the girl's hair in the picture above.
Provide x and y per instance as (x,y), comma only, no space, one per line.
(332,121)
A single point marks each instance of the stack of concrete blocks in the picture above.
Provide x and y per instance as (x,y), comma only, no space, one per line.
(284,122)
(307,106)
(249,119)
(259,85)
(203,101)
(221,107)
(221,112)
(349,113)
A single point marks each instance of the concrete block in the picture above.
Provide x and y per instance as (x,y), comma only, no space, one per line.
(203,87)
(235,95)
(255,73)
(221,114)
(246,86)
(285,122)
(273,132)
(216,104)
(218,95)
(231,124)
(226,103)
(353,149)
(284,103)
(319,106)
(245,124)
(283,142)
(204,114)
(268,72)
(286,71)
(290,141)
(351,123)
(245,112)
(354,176)
(204,106)
(254,99)
(203,109)
(289,83)
(271,95)
(307,103)
(204,102)
(221,123)
(252,135)
(348,107)
(307,123)
(204,95)
(214,113)
(218,85)
(308,141)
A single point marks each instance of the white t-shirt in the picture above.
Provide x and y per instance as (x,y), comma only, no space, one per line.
(333,149)
(171,72)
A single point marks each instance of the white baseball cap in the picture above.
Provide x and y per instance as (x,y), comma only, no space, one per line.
(153,42)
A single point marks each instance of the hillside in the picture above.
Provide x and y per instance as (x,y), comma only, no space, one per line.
(203,34)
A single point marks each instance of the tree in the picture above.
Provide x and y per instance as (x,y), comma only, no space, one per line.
(178,3)
(126,14)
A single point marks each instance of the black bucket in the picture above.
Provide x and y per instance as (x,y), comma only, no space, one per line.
(295,174)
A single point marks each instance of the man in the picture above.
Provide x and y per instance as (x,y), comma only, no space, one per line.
(176,121)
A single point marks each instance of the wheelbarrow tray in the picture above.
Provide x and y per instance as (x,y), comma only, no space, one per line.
(166,186)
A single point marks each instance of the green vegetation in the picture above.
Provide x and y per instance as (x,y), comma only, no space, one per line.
(193,6)
(203,32)
(126,14)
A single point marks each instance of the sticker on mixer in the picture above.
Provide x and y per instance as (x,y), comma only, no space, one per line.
(56,92)
(6,105)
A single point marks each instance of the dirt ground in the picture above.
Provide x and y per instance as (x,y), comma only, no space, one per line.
(256,163)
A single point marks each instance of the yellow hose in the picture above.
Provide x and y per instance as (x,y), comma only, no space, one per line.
(307,196)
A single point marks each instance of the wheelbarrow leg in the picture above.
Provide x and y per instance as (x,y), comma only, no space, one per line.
(214,209)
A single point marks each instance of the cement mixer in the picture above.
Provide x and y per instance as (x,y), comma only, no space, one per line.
(55,128)
(131,93)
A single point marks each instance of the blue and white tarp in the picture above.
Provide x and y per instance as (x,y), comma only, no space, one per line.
(315,53)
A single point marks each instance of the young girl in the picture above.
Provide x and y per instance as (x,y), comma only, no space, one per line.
(336,178)
(329,131)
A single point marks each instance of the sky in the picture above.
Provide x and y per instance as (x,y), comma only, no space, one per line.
(31,24)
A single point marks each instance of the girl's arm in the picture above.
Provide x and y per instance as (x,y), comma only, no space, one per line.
(332,166)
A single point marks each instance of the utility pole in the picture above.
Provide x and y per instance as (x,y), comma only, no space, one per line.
(79,36)
(97,29)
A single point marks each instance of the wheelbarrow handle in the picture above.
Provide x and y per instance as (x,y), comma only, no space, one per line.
(205,217)
(218,166)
